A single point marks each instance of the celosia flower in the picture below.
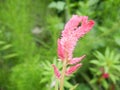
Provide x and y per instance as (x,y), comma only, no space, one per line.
(72,69)
(56,71)
(76,60)
(75,28)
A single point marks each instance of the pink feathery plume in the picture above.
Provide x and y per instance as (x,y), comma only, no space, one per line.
(60,51)
(74,29)
(76,60)
(72,69)
(56,71)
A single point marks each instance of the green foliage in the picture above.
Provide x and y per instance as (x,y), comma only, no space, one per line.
(26,76)
(28,43)
(7,56)
(107,63)
(50,80)
(57,5)
(51,35)
(83,87)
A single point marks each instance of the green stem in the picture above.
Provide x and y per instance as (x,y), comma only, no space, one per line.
(63,75)
(67,10)
(56,85)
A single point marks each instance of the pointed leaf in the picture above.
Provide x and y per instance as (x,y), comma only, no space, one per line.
(107,53)
(6,47)
(74,87)
(96,62)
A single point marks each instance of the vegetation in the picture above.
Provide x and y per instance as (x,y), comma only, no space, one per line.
(28,44)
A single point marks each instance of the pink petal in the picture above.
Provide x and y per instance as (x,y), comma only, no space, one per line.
(70,35)
(60,51)
(105,75)
(76,60)
(73,22)
(84,28)
(72,69)
(71,25)
(89,26)
(68,44)
(56,71)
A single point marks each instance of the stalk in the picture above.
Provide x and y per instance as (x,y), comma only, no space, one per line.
(63,75)
(67,10)
(56,85)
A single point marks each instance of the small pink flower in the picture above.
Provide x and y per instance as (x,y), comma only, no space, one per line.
(56,71)
(72,69)
(76,60)
(105,75)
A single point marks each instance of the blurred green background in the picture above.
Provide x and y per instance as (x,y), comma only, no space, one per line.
(29,30)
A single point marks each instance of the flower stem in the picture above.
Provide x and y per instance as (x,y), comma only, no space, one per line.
(56,85)
(63,75)
(67,10)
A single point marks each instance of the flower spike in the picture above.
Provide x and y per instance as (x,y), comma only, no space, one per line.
(72,69)
(56,71)
(74,29)
(76,60)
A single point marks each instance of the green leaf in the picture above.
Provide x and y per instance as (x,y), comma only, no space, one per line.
(6,47)
(96,62)
(2,42)
(57,5)
(94,80)
(60,5)
(112,77)
(10,56)
(91,2)
(52,5)
(93,69)
(117,58)
(43,80)
(99,55)
(67,84)
(117,40)
(46,73)
(98,73)
(107,52)
(105,84)
(48,64)
(46,67)
(83,87)
(116,67)
(112,55)
(74,87)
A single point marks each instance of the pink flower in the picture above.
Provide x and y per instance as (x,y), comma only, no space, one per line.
(76,60)
(60,51)
(56,71)
(105,75)
(72,69)
(71,33)
(75,28)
